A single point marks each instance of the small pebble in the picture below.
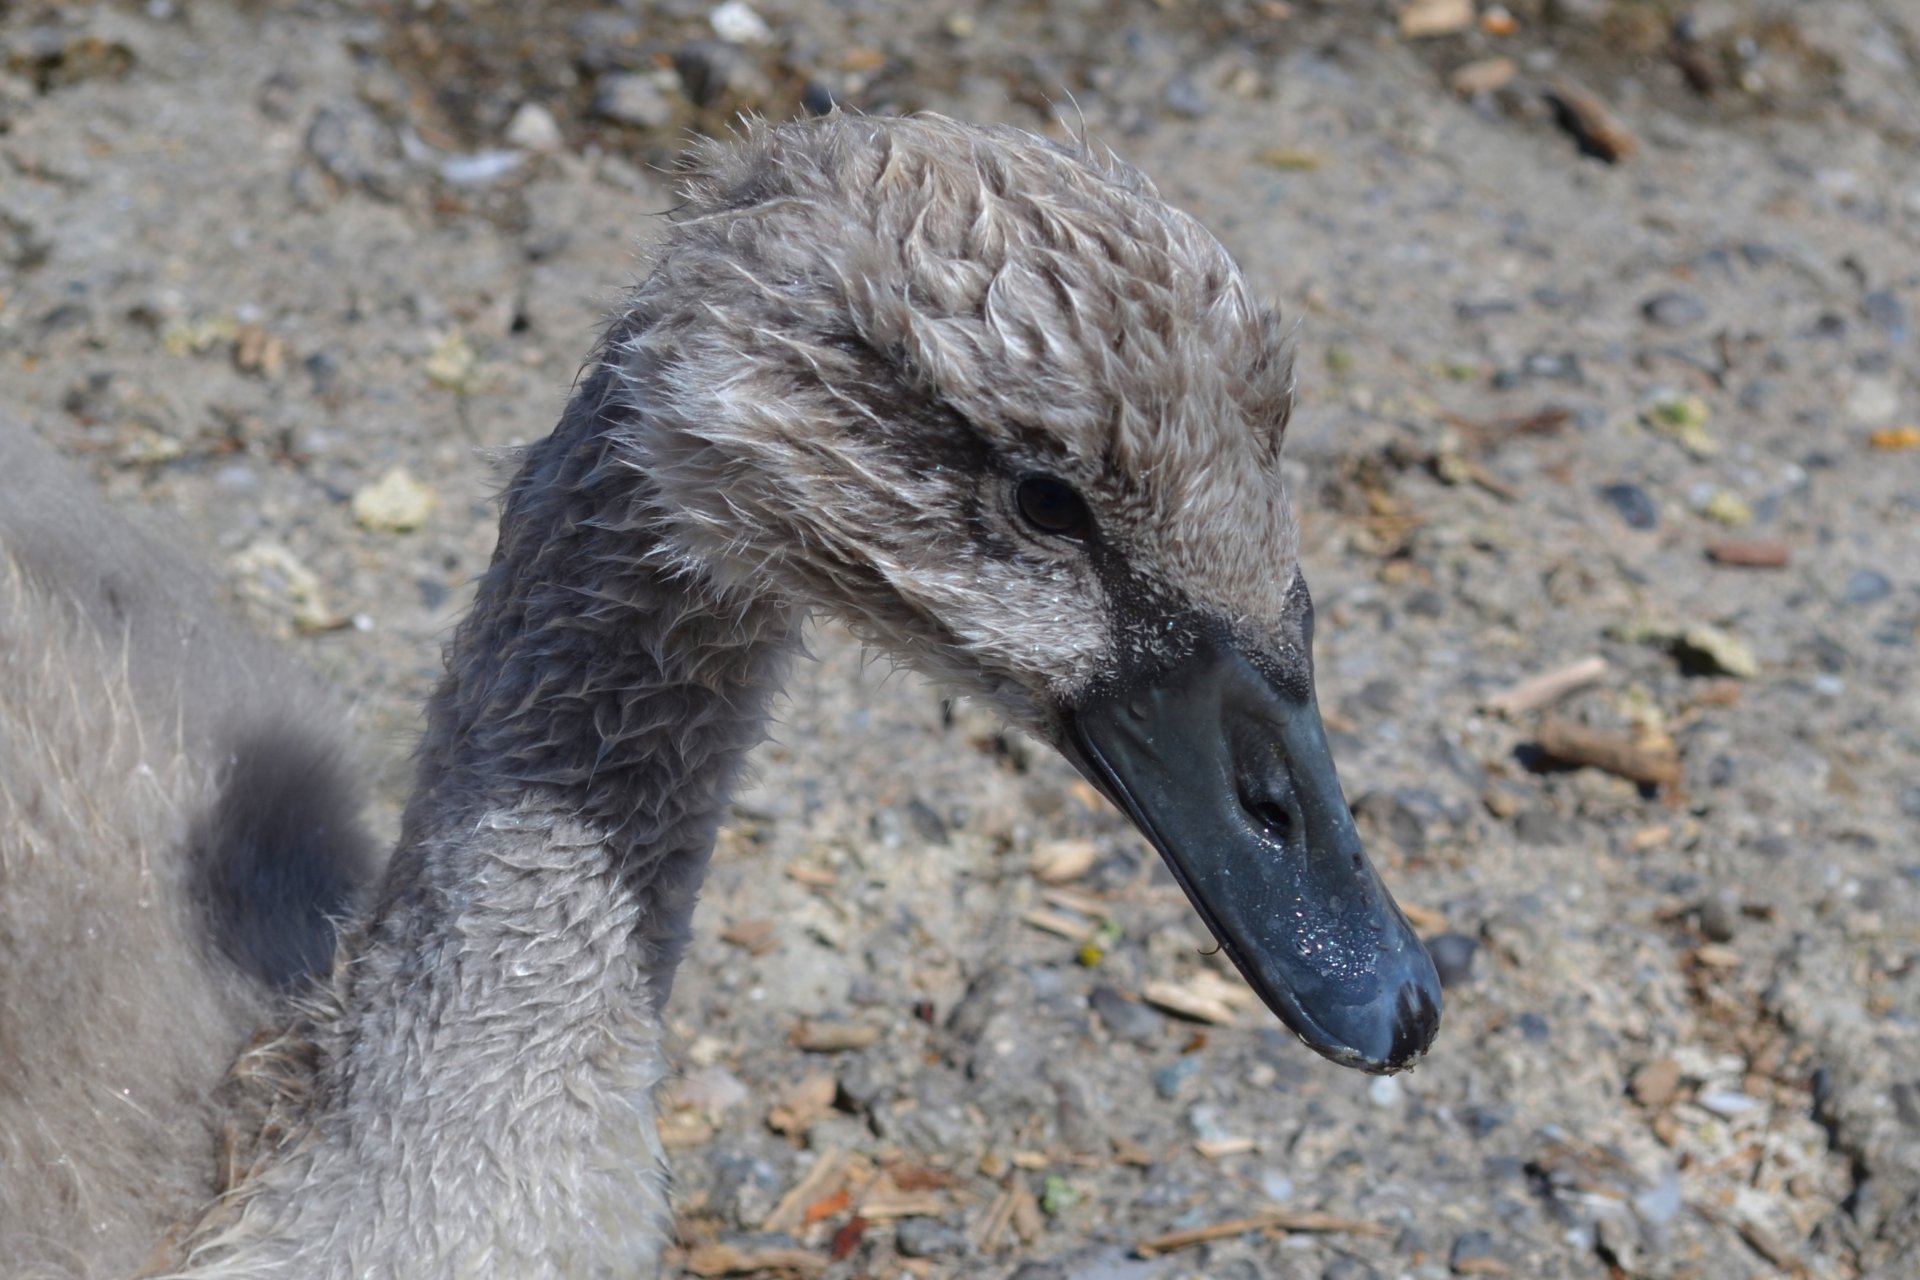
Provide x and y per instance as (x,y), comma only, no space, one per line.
(1654,1085)
(635,98)
(1537,826)
(1719,918)
(1727,508)
(533,128)
(1865,586)
(1126,1019)
(1709,650)
(1726,1103)
(736,21)
(1277,1187)
(1674,310)
(927,1238)
(711,68)
(395,503)
(1633,504)
(1185,98)
(1168,1079)
(1472,1252)
(1534,1028)
(1385,1091)
(1884,311)
(1453,958)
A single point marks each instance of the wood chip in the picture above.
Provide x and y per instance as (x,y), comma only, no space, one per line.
(1205,998)
(1714,955)
(1077,901)
(828,1174)
(827,1207)
(1028,1222)
(1717,693)
(1059,861)
(833,1037)
(1071,928)
(1649,837)
(847,1238)
(1583,114)
(1220,1148)
(803,1105)
(1484,75)
(684,1129)
(812,877)
(987,1236)
(755,937)
(1547,688)
(1274,1220)
(1750,554)
(1893,439)
(730,1260)
(1616,753)
(1426,19)
(257,351)
(1481,1267)
(1424,919)
(885,1201)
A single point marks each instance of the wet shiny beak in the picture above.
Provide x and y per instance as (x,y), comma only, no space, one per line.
(1228,773)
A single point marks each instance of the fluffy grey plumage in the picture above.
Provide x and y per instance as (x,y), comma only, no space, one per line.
(857,336)
(176,827)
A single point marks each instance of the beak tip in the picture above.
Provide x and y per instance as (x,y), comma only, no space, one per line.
(1416,1022)
(1385,1038)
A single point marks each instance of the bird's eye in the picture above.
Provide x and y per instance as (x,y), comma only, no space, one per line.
(1052,507)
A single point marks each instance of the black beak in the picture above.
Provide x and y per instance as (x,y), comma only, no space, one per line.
(1227,772)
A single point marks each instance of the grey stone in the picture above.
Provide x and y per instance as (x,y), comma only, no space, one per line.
(1470,1248)
(1885,312)
(1539,826)
(1866,586)
(1184,97)
(635,98)
(1126,1019)
(1389,814)
(1453,958)
(1633,504)
(1674,310)
(1719,917)
(712,69)
(927,1238)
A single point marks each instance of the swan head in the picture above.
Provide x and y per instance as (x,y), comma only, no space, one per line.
(1018,421)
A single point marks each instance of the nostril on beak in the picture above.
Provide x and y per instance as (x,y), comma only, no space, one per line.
(1271,816)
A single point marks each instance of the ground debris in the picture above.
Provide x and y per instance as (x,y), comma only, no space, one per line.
(395,503)
(1568,742)
(833,1036)
(1484,75)
(1750,554)
(1426,19)
(1288,1221)
(733,1260)
(1206,997)
(1584,115)
(1549,687)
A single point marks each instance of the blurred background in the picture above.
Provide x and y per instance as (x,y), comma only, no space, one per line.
(1608,456)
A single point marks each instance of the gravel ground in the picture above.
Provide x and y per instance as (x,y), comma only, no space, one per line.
(254,258)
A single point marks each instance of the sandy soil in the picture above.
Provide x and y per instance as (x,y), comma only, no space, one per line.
(254,257)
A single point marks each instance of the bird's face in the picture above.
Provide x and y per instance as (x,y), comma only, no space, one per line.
(1019,423)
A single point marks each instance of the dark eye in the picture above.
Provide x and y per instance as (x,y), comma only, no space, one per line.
(1052,507)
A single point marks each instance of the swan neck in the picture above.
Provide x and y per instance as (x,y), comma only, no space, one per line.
(598,685)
